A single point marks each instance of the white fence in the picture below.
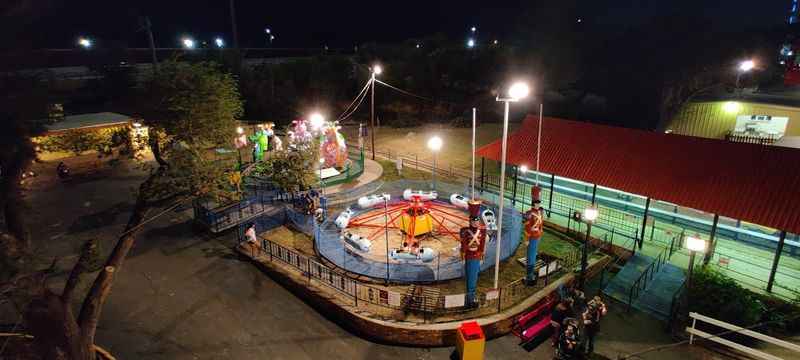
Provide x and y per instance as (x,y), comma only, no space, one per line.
(693,331)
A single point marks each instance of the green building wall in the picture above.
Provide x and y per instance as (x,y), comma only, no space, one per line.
(714,119)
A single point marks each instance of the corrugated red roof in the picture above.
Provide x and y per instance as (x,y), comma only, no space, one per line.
(753,183)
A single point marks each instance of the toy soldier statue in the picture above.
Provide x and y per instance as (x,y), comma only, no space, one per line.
(533,232)
(473,241)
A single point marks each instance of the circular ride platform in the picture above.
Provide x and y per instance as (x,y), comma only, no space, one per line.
(432,254)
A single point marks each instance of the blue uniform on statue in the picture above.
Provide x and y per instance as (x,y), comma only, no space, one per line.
(473,241)
(533,233)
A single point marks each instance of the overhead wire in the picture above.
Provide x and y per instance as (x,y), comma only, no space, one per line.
(359,98)
(418,96)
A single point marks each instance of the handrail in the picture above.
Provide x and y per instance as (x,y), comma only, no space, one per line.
(647,274)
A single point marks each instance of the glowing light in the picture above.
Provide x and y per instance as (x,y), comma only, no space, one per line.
(137,125)
(188,43)
(85,42)
(435,143)
(418,46)
(473,29)
(518,90)
(267,30)
(220,43)
(471,43)
(523,168)
(317,120)
(590,214)
(747,65)
(239,130)
(731,107)
(495,42)
(377,69)
(695,243)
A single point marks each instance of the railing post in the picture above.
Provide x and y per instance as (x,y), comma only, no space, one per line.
(482,173)
(552,194)
(691,335)
(644,222)
(308,269)
(775,261)
(499,297)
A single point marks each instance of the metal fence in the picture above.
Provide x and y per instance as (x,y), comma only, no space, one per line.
(362,294)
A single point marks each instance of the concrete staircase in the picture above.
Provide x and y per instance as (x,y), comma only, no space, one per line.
(656,298)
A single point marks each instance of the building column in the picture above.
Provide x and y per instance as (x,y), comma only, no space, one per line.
(712,241)
(552,194)
(644,222)
(775,261)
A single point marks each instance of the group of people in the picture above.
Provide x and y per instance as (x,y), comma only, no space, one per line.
(575,323)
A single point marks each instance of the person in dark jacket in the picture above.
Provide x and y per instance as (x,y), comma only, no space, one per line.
(595,310)
(560,312)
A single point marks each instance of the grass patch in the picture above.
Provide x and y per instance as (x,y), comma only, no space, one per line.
(290,239)
(408,173)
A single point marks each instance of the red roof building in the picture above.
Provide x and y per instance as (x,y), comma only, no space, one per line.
(753,183)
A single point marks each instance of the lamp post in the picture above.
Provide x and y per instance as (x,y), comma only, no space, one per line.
(744,66)
(516,92)
(589,217)
(694,244)
(386,233)
(85,42)
(239,143)
(376,70)
(434,144)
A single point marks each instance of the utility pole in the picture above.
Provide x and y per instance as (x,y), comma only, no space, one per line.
(147,26)
(233,26)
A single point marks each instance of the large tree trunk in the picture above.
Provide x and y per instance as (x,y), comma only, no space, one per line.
(93,303)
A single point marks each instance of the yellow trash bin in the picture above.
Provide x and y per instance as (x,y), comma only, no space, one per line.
(471,341)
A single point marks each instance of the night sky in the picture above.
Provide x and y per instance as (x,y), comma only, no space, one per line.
(57,23)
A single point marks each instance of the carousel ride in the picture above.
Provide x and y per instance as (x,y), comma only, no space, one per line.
(418,227)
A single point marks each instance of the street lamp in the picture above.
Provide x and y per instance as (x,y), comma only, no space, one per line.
(516,92)
(435,144)
(694,244)
(188,43)
(473,29)
(317,120)
(471,43)
(241,141)
(744,66)
(589,216)
(375,70)
(219,42)
(85,42)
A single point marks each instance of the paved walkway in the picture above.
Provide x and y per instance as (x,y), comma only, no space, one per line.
(184,295)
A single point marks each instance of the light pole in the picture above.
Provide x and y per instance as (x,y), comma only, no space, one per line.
(386,233)
(694,244)
(188,43)
(434,144)
(744,66)
(589,216)
(516,92)
(219,42)
(85,42)
(376,70)
(241,141)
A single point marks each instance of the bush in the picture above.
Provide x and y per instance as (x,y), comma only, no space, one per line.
(716,295)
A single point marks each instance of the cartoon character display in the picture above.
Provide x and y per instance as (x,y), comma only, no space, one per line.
(473,242)
(533,233)
(299,136)
(261,140)
(333,148)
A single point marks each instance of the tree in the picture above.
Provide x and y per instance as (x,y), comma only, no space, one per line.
(197,105)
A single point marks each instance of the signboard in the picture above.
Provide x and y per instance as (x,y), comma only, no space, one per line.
(761,125)
(329,172)
(451,301)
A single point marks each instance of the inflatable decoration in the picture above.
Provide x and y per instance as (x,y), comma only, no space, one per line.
(261,140)
(473,241)
(333,148)
(533,232)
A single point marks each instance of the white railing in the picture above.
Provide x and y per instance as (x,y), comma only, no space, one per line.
(693,331)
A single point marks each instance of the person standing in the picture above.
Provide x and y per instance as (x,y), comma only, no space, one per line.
(560,312)
(595,310)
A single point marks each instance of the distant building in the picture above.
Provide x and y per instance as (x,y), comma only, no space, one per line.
(753,118)
(108,129)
